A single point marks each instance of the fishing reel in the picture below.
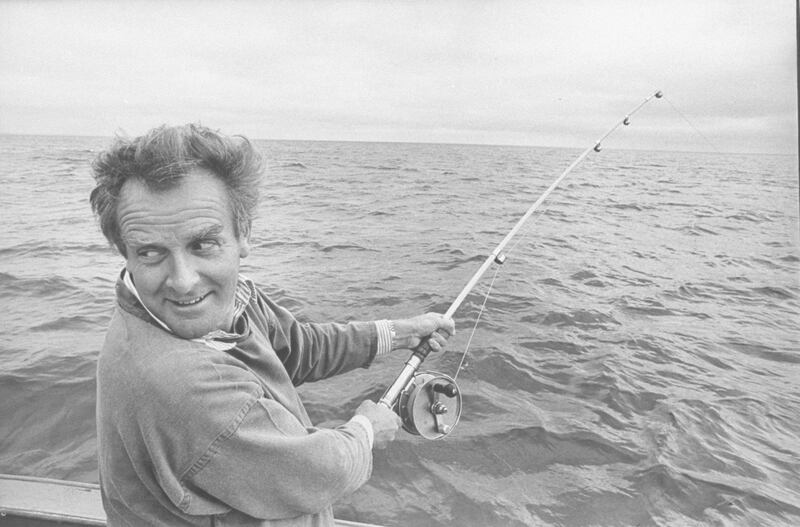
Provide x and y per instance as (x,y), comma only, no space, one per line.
(430,405)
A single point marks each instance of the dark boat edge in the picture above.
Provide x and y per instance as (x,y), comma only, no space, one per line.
(43,502)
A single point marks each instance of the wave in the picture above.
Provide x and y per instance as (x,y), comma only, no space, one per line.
(313,245)
(696,230)
(763,351)
(775,292)
(644,306)
(42,250)
(580,318)
(629,206)
(750,216)
(44,287)
(71,323)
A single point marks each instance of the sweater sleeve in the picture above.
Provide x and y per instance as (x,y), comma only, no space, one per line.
(272,467)
(311,352)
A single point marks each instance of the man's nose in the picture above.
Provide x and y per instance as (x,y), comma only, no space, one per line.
(183,275)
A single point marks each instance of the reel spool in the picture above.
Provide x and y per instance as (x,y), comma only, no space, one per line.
(430,405)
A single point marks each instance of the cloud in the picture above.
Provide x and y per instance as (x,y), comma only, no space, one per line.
(527,72)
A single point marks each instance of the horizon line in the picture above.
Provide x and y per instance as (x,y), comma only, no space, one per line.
(629,149)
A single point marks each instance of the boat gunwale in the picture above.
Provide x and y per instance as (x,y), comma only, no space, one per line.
(93,489)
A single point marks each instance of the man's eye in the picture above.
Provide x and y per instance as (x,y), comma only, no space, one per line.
(205,245)
(148,253)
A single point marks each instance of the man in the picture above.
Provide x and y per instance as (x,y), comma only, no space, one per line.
(199,422)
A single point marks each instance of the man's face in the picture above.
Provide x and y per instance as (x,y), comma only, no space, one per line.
(182,252)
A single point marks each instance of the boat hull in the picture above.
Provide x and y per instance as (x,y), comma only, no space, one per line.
(41,502)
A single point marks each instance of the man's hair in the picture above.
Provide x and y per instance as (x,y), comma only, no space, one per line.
(162,157)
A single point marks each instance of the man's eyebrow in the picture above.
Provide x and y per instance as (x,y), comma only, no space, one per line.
(210,231)
(135,240)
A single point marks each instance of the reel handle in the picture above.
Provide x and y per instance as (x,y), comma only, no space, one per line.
(448,388)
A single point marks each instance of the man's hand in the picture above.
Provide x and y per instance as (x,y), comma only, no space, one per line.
(385,422)
(411,331)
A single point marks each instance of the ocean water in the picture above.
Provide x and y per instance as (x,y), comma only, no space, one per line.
(637,362)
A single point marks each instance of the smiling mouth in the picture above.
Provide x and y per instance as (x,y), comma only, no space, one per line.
(189,302)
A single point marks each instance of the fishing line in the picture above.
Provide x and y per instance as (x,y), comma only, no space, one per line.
(707,140)
(477,319)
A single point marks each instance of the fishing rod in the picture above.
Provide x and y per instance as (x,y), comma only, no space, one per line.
(429,403)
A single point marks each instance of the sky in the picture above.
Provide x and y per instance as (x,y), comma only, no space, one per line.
(538,72)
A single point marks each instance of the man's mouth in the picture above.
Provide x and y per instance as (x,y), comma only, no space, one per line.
(188,301)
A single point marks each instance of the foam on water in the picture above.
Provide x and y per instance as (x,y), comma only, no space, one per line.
(637,362)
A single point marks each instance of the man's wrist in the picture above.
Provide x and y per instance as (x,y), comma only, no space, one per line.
(393,335)
(386,336)
(366,424)
(402,334)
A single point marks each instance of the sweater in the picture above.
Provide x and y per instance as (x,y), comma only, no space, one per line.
(193,433)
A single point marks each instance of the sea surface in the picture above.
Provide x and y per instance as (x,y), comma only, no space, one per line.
(637,362)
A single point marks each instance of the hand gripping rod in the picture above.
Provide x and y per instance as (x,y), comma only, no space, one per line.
(392,394)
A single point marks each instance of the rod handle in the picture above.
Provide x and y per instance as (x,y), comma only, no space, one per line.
(424,348)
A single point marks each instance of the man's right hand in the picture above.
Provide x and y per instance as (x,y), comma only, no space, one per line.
(385,422)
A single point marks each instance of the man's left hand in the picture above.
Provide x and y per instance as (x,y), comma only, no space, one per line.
(411,331)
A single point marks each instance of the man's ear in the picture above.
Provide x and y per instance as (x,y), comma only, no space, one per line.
(244,246)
